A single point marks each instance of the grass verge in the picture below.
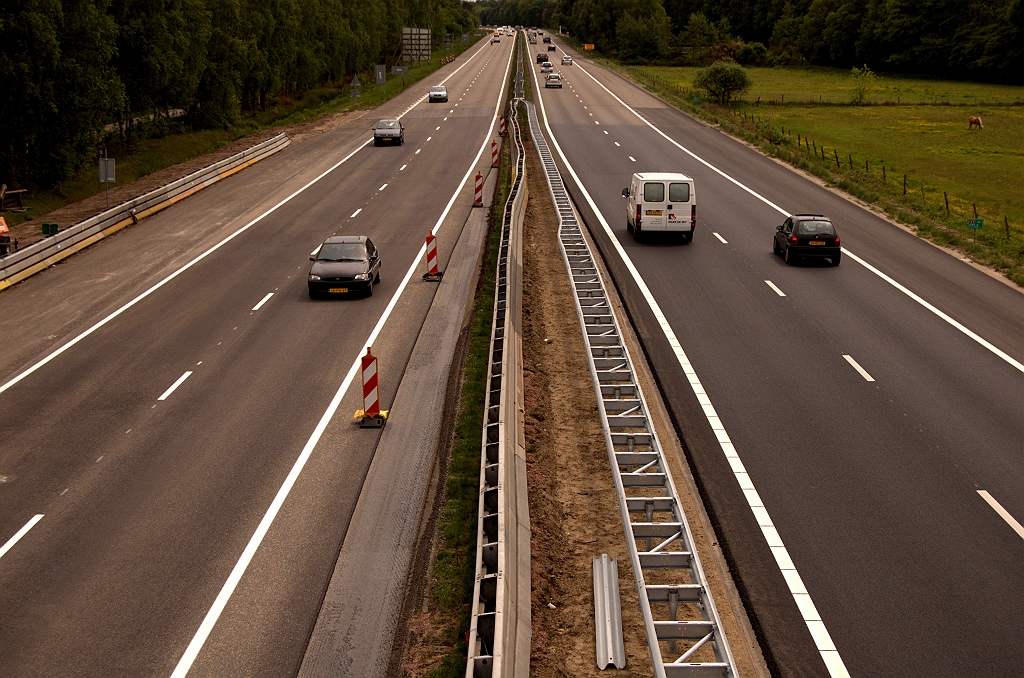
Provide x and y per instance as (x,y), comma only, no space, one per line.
(152,154)
(935,201)
(451,585)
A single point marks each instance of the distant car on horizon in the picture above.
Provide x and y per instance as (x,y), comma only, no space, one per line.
(344,264)
(807,236)
(388,130)
(438,93)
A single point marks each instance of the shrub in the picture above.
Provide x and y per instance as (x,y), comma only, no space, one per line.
(722,81)
(752,53)
(863,80)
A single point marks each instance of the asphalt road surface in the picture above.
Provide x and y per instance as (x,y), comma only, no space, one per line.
(870,467)
(154,444)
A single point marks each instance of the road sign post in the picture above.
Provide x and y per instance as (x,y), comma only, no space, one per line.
(382,76)
(976,224)
(107,174)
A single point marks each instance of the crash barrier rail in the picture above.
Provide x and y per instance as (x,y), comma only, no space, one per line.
(499,632)
(41,254)
(679,615)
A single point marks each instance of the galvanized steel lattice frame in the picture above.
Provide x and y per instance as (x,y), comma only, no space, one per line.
(643,482)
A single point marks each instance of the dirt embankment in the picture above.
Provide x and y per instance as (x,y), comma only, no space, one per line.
(30,231)
(574,512)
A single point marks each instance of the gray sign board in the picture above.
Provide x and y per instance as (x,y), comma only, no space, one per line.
(415,44)
(382,74)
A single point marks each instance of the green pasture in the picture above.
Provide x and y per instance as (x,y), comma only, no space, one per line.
(804,84)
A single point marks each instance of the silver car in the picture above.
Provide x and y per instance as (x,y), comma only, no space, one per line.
(388,131)
(438,93)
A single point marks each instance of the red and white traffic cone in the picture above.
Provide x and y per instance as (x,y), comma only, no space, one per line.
(478,199)
(432,272)
(494,153)
(501,126)
(371,415)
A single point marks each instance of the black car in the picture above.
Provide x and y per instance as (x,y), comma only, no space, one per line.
(343,264)
(807,235)
(547,39)
(388,130)
(542,57)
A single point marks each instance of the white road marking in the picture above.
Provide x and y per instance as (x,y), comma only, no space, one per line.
(417,151)
(616,142)
(435,129)
(175,385)
(1003,513)
(606,131)
(382,187)
(260,305)
(596,122)
(856,366)
(991,347)
(769,282)
(445,118)
(631,158)
(429,138)
(65,491)
(98,459)
(823,640)
(724,241)
(402,168)
(19,534)
(206,627)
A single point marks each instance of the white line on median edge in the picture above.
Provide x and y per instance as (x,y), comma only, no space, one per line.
(861,370)
(724,241)
(991,347)
(20,533)
(175,385)
(194,647)
(263,301)
(43,361)
(1003,513)
(772,285)
(819,633)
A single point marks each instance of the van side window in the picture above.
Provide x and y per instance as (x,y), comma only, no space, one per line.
(679,192)
(654,191)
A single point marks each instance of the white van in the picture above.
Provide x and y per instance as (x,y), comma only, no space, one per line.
(661,202)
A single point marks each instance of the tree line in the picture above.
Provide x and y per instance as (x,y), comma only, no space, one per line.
(969,39)
(68,68)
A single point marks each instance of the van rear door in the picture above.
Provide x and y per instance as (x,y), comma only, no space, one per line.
(654,206)
(680,198)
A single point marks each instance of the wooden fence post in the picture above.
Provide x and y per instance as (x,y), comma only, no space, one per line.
(883,174)
(851,161)
(904,184)
(838,166)
(945,196)
(866,171)
(922,194)
(975,205)
(1006,223)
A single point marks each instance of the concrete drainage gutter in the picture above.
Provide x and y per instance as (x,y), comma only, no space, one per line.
(44,253)
(499,635)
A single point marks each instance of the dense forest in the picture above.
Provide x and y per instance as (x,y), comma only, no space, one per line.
(973,39)
(70,67)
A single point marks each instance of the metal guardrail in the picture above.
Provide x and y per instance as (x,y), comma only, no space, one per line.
(499,633)
(666,567)
(42,254)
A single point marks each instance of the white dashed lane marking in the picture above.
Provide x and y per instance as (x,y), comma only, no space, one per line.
(176,384)
(724,241)
(856,366)
(767,282)
(19,534)
(256,308)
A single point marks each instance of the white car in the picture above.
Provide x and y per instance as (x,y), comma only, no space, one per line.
(495,39)
(546,67)
(438,93)
(567,60)
(553,80)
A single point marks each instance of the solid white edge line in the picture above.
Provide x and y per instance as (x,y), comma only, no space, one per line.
(353,216)
(175,385)
(724,241)
(991,347)
(819,633)
(206,627)
(856,366)
(777,290)
(263,301)
(19,534)
(1003,513)
(43,361)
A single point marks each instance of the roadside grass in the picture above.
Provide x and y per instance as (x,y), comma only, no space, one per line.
(180,144)
(930,144)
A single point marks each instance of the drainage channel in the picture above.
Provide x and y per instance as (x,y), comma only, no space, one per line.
(679,614)
(499,635)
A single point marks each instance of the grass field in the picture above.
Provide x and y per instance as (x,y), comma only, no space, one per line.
(150,155)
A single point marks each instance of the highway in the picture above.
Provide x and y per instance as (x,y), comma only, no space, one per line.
(865,408)
(176,408)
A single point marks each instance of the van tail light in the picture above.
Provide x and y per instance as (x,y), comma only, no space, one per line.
(638,209)
(693,216)
(793,239)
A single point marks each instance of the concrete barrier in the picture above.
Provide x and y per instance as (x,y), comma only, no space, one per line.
(44,253)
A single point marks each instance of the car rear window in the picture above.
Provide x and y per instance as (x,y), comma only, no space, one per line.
(654,191)
(436,88)
(815,228)
(679,192)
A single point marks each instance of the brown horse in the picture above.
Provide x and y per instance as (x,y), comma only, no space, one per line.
(974,120)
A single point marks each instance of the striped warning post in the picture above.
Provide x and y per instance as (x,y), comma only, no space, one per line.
(371,414)
(478,194)
(494,153)
(501,126)
(432,272)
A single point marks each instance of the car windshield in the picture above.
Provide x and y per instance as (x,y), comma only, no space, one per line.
(388,124)
(342,251)
(815,228)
